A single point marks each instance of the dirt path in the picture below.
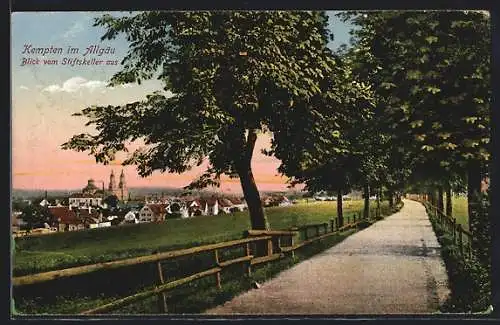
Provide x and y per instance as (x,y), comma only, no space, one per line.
(392,267)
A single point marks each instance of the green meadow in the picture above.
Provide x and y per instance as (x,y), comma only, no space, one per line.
(43,253)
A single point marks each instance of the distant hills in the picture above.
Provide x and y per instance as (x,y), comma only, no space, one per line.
(134,192)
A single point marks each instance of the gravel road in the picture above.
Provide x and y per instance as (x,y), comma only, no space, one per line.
(392,267)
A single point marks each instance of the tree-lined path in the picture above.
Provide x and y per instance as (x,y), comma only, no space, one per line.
(394,266)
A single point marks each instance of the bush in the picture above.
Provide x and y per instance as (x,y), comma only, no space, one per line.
(364,224)
(469,279)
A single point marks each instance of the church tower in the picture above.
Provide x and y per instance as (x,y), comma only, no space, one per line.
(112,184)
(122,186)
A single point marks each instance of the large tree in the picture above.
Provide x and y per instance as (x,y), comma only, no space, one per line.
(432,69)
(325,151)
(230,75)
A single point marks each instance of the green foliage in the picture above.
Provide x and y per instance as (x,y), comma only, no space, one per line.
(469,277)
(227,76)
(36,215)
(111,201)
(440,64)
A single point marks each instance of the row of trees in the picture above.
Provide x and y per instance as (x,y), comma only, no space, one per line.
(406,104)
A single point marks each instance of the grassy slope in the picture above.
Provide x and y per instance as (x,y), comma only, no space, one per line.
(60,250)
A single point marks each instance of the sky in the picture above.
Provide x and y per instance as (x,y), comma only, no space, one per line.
(45,95)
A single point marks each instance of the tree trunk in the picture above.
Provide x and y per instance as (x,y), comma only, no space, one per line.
(340,212)
(258,218)
(378,201)
(252,197)
(474,196)
(440,203)
(449,205)
(366,212)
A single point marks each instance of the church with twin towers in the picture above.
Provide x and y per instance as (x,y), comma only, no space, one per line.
(120,190)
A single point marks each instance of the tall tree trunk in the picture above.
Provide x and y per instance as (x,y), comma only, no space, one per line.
(440,203)
(378,201)
(449,204)
(340,212)
(474,196)
(258,218)
(366,212)
(391,199)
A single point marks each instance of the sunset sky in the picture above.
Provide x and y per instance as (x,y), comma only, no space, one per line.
(45,96)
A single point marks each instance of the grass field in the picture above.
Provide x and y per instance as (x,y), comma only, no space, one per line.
(43,253)
(460,211)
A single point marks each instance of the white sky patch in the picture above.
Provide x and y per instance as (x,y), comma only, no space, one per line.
(24,87)
(75,84)
(76,28)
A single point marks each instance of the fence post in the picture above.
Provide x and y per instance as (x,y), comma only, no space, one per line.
(306,237)
(460,242)
(292,243)
(331,225)
(249,269)
(316,227)
(269,247)
(217,275)
(162,297)
(354,218)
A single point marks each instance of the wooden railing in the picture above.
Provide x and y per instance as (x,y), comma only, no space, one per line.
(461,237)
(277,243)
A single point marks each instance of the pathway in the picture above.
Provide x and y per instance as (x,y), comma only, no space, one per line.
(392,267)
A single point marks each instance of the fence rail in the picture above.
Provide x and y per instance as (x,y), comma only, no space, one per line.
(462,237)
(277,244)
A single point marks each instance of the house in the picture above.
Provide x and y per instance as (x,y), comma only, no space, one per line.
(238,204)
(44,203)
(84,200)
(66,219)
(131,217)
(267,201)
(197,207)
(17,221)
(212,206)
(282,201)
(88,215)
(153,213)
(225,205)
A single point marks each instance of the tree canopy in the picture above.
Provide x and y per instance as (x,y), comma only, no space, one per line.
(227,76)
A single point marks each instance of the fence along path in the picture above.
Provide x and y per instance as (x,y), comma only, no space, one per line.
(392,267)
(277,243)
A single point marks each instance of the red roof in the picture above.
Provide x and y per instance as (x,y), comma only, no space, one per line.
(235,200)
(158,209)
(225,203)
(84,213)
(64,215)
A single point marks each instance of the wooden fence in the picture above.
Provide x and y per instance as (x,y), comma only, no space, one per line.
(461,237)
(277,243)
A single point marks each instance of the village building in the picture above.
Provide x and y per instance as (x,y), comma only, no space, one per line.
(225,205)
(131,217)
(238,204)
(66,219)
(153,213)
